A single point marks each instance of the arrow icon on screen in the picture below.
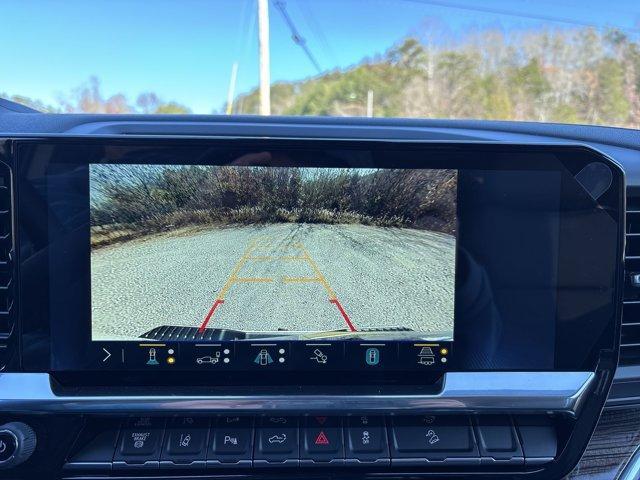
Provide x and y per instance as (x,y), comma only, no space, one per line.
(108,355)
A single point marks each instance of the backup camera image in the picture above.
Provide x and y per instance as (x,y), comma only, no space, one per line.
(238,252)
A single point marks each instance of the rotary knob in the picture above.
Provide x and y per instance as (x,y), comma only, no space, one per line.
(17,443)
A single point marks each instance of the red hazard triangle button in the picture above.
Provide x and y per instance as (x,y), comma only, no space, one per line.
(322,439)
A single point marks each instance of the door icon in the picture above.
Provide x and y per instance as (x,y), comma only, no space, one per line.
(372,356)
(263,357)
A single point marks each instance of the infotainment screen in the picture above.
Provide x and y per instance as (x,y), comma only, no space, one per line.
(265,260)
(264,253)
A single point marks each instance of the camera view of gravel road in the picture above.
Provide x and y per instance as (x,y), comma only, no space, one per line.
(295,270)
(285,278)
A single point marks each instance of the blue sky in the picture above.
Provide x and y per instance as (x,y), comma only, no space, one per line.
(183,49)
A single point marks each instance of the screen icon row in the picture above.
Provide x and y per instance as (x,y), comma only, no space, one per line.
(266,356)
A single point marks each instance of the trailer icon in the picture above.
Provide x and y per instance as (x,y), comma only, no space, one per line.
(426,356)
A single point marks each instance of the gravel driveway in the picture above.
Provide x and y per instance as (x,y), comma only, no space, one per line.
(283,276)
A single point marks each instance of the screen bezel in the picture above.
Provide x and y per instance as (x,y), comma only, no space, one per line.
(441,155)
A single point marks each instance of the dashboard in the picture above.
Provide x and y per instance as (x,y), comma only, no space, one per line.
(201,297)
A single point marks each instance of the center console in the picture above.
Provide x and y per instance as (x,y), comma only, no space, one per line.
(347,307)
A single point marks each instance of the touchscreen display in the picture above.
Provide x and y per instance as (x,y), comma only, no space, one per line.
(273,253)
(252,260)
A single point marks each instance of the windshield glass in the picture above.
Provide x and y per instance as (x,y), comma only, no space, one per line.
(569,61)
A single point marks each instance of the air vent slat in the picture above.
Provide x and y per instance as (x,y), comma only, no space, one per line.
(630,312)
(633,222)
(4,355)
(633,246)
(633,202)
(7,322)
(630,335)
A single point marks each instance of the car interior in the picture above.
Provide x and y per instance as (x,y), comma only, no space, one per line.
(284,296)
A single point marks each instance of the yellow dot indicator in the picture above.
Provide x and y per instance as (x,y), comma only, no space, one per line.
(171,360)
(444,351)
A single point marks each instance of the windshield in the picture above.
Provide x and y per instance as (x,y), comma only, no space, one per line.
(569,61)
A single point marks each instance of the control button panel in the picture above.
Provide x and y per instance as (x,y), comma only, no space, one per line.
(322,441)
(276,442)
(185,443)
(97,447)
(376,442)
(498,440)
(366,441)
(231,442)
(539,439)
(432,438)
(140,444)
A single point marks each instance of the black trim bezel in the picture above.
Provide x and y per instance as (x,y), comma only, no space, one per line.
(572,156)
(607,356)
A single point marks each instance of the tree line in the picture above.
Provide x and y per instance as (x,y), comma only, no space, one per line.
(135,200)
(582,75)
(569,76)
(88,98)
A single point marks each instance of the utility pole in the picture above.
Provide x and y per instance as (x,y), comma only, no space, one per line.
(263,47)
(370,103)
(232,88)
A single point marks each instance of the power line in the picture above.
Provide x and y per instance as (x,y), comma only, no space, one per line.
(295,35)
(515,13)
(313,24)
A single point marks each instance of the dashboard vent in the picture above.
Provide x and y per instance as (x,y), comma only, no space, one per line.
(7,323)
(630,340)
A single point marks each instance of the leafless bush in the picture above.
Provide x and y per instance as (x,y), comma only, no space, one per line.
(148,199)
